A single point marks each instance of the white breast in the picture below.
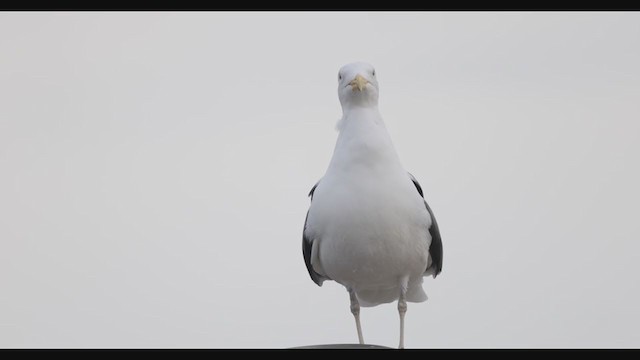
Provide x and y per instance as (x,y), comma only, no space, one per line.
(368,222)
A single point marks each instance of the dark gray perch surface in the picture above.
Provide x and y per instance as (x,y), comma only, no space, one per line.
(342,346)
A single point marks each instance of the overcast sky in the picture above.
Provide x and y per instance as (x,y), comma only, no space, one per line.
(154,171)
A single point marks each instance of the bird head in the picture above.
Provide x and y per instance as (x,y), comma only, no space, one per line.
(357,85)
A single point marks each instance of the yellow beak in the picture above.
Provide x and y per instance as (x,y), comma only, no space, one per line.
(358,83)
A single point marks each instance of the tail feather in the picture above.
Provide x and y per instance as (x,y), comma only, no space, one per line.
(373,297)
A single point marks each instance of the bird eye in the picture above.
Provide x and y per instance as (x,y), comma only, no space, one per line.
(339,77)
(373,73)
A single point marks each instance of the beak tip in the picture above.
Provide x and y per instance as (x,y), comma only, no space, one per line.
(358,83)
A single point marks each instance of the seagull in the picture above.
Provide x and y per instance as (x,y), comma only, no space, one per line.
(368,226)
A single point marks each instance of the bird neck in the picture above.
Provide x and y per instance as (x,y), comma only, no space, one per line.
(361,112)
(361,121)
(363,140)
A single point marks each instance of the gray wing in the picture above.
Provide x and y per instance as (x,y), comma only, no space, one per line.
(435,250)
(307,245)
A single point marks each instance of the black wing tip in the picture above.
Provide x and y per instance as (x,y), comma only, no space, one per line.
(312,190)
(306,254)
(307,244)
(437,272)
(317,278)
(417,185)
(435,249)
(435,269)
(306,248)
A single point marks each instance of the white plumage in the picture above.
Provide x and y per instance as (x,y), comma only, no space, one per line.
(368,226)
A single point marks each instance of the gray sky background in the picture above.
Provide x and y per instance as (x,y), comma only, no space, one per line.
(154,169)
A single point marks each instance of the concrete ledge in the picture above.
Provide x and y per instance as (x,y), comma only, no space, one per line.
(342,346)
